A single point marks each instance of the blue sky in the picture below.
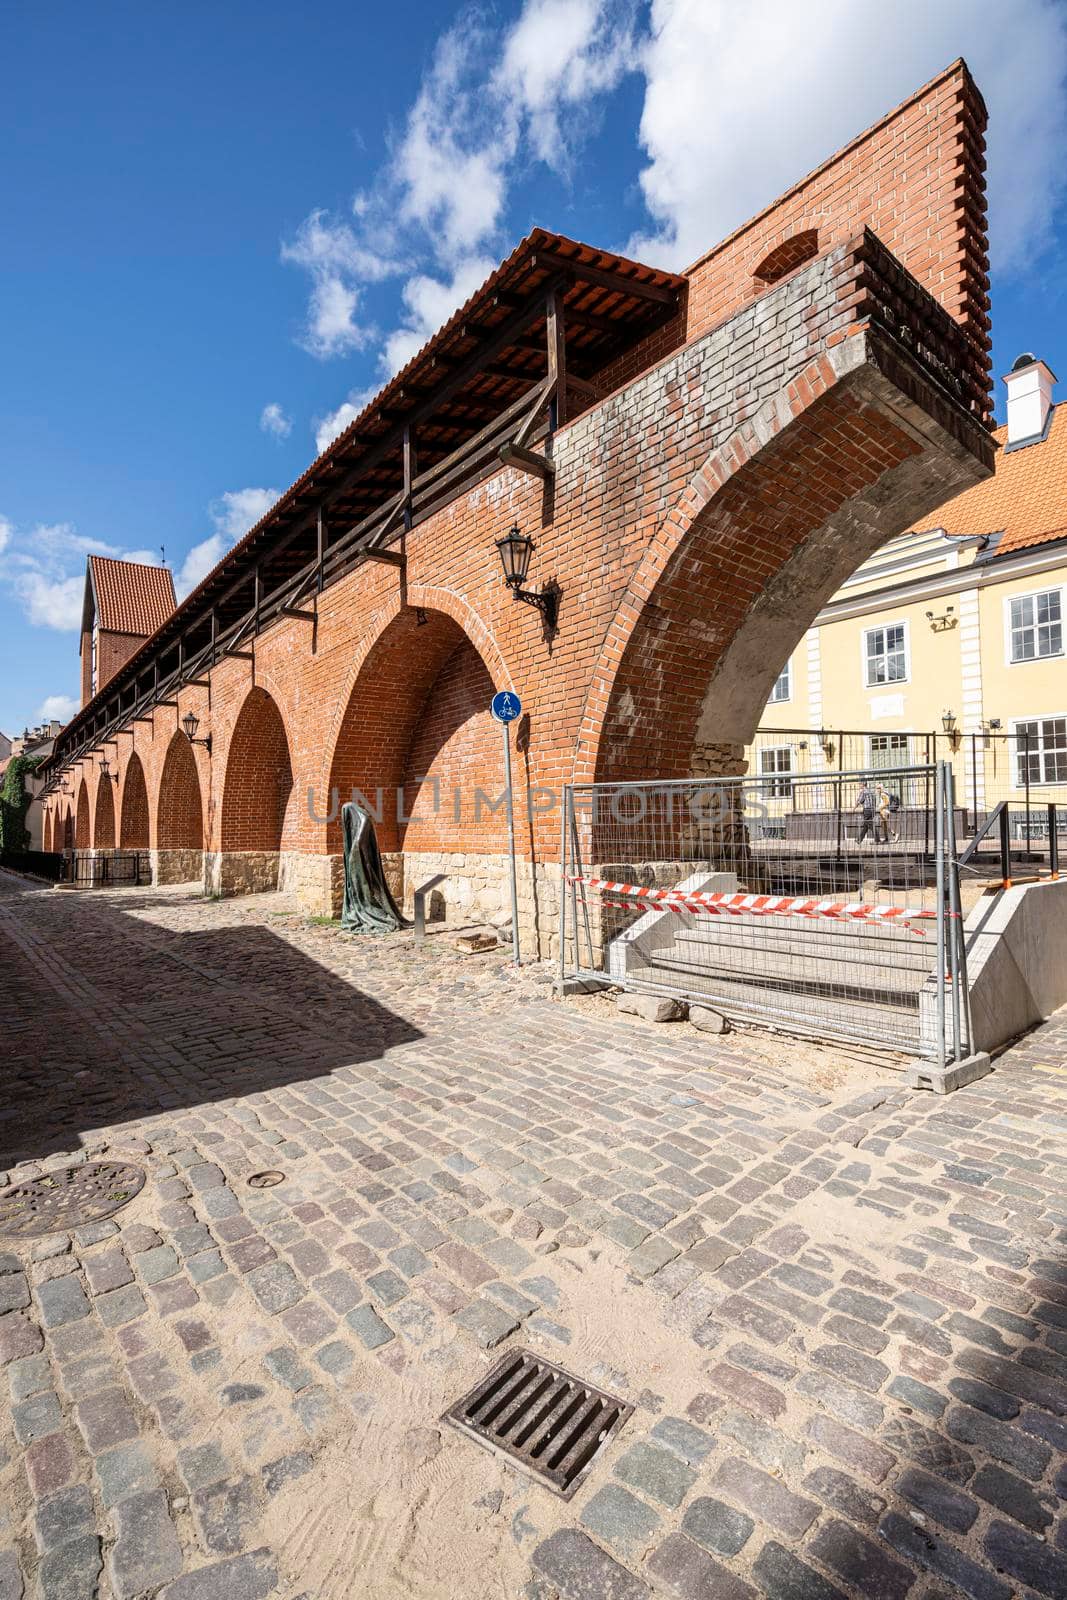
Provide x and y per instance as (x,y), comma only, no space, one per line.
(225,224)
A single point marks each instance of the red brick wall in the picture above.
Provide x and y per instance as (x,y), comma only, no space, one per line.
(179,811)
(83,837)
(259,777)
(113,651)
(674,509)
(456,744)
(134,815)
(104,824)
(916,178)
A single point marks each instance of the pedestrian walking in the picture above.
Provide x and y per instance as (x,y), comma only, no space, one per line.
(867,803)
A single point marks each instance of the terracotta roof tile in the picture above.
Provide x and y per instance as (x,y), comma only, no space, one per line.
(1025,500)
(131,597)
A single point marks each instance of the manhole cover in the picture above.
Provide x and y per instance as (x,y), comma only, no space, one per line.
(546,1420)
(69,1198)
(265,1180)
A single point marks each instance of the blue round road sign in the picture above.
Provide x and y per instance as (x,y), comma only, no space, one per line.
(506,706)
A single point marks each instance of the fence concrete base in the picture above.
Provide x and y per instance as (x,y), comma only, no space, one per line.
(942,1080)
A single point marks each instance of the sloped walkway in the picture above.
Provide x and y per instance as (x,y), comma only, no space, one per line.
(839,1309)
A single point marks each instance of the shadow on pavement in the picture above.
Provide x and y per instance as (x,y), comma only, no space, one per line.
(109,1019)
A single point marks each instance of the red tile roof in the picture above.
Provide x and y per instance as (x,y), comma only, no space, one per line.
(131,597)
(1025,499)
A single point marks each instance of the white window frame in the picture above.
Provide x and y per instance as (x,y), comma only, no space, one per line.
(1016,724)
(880,627)
(779,781)
(787,674)
(1012,660)
(893,733)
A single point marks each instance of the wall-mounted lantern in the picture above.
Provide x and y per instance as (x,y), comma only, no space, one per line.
(515,551)
(948,722)
(105,770)
(190,723)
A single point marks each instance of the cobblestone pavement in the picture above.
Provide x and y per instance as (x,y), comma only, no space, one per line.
(838,1308)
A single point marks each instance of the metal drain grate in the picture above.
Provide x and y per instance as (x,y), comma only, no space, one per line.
(68,1198)
(541,1417)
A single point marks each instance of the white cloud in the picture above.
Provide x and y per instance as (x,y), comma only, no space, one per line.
(562,54)
(331,426)
(44,565)
(339,262)
(737,107)
(51,602)
(428,302)
(489,102)
(233,513)
(60,707)
(273,420)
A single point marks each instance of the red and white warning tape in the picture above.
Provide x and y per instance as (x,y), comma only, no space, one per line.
(712,903)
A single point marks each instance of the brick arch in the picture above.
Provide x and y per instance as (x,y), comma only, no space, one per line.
(83,834)
(179,808)
(768,527)
(259,777)
(66,831)
(46,839)
(104,819)
(418,709)
(799,247)
(133,812)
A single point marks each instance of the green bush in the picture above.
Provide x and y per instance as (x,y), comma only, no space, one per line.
(14,803)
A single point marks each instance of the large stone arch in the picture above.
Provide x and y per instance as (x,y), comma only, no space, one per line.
(104,814)
(83,834)
(256,796)
(179,816)
(417,740)
(769,526)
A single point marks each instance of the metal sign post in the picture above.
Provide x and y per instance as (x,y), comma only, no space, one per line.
(505,708)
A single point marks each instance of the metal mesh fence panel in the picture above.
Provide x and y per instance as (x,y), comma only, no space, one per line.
(808,899)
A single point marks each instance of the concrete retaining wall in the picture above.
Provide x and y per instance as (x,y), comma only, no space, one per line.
(1016,960)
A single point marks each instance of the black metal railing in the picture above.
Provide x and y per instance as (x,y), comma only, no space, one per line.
(38,863)
(115,870)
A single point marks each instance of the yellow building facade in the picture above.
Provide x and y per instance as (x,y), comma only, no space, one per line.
(949,642)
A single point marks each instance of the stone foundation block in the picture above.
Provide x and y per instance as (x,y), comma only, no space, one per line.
(653,1007)
(707,1020)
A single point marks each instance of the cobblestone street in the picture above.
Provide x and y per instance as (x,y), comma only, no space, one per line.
(838,1307)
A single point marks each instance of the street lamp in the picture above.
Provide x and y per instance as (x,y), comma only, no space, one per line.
(190,723)
(105,770)
(948,722)
(515,551)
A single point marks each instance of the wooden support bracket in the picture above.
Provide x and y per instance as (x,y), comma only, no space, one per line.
(294,611)
(392,558)
(515,455)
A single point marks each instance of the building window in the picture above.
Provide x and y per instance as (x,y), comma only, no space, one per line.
(889,750)
(1036,624)
(783,686)
(885,654)
(776,765)
(1041,750)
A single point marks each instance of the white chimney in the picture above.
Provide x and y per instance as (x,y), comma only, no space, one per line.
(1029,385)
